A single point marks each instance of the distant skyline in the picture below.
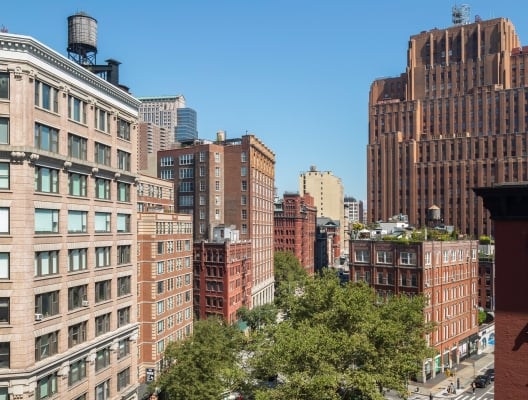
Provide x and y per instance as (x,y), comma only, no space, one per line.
(294,73)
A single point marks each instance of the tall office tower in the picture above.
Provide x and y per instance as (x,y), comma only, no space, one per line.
(353,209)
(151,139)
(162,111)
(327,191)
(186,126)
(164,275)
(295,227)
(456,119)
(68,326)
(228,182)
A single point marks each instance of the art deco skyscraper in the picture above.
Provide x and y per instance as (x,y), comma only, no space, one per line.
(456,119)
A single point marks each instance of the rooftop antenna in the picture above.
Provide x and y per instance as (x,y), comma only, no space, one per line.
(4,29)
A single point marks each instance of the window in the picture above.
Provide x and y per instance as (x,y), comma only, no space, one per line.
(160,287)
(102,256)
(46,180)
(407,258)
(4,85)
(102,222)
(102,154)
(81,397)
(243,156)
(160,346)
(243,200)
(362,256)
(77,260)
(217,186)
(244,186)
(4,175)
(102,291)
(123,160)
(123,254)
(123,191)
(243,171)
(123,348)
(217,157)
(4,220)
(46,387)
(161,267)
(244,214)
(384,257)
(46,221)
(77,221)
(77,371)
(102,391)
(46,138)
(46,96)
(102,324)
(123,223)
(123,379)
(76,296)
(77,184)
(76,334)
(46,346)
(47,304)
(186,201)
(102,358)
(186,186)
(46,263)
(4,130)
(77,109)
(4,310)
(123,317)
(102,188)
(77,146)
(123,285)
(4,354)
(160,306)
(186,173)
(123,129)
(101,119)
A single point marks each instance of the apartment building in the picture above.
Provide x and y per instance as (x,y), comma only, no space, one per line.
(165,309)
(162,111)
(228,183)
(455,119)
(295,228)
(68,141)
(445,272)
(328,194)
(151,139)
(222,275)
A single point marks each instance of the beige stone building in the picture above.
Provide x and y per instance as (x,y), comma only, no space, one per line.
(67,228)
(328,193)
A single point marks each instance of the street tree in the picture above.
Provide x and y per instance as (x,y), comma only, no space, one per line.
(204,365)
(289,277)
(341,342)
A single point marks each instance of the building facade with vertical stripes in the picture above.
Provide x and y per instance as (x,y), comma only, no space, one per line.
(456,119)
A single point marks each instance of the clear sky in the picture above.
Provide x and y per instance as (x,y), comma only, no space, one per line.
(294,73)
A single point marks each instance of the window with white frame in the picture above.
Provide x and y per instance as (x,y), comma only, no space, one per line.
(186,201)
(384,257)
(4,266)
(427,258)
(217,186)
(407,258)
(362,256)
(187,186)
(186,159)
(217,157)
(167,161)
(186,173)
(77,259)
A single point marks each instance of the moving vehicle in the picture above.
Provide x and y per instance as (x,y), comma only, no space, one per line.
(490,373)
(481,381)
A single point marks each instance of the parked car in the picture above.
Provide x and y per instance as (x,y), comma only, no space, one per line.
(481,381)
(490,373)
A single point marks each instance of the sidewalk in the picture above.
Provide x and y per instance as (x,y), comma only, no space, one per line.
(465,373)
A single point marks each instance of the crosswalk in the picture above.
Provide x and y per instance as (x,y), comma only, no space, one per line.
(482,395)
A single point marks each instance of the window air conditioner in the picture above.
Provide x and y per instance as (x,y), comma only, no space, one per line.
(38,317)
(85,303)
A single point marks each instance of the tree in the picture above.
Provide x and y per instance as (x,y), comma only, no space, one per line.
(258,316)
(289,276)
(204,365)
(341,343)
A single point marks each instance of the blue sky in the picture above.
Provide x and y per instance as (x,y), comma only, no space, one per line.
(294,73)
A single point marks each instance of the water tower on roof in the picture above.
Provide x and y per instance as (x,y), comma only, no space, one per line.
(460,14)
(82,39)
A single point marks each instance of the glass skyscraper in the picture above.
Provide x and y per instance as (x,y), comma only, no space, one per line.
(186,125)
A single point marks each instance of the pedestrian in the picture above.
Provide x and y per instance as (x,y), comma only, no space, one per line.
(430,396)
(473,386)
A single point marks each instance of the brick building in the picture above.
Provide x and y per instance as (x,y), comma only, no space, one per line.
(68,143)
(228,183)
(222,275)
(164,239)
(446,272)
(456,119)
(295,227)
(507,205)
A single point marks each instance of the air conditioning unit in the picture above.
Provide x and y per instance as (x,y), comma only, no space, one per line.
(85,303)
(38,317)
(426,284)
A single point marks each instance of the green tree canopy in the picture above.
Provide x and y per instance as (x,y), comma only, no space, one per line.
(289,276)
(258,316)
(339,342)
(204,365)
